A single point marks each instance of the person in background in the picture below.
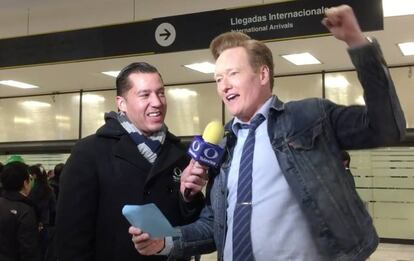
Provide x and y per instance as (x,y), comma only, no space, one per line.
(19,237)
(54,181)
(282,191)
(50,174)
(132,159)
(44,198)
(346,160)
(1,185)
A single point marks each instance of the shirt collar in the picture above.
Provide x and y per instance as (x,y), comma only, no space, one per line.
(264,110)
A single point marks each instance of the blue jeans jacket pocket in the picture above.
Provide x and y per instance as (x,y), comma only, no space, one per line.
(305,140)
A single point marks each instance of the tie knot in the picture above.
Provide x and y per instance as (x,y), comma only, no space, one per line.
(256,121)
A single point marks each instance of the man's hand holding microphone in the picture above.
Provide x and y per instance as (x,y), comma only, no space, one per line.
(205,153)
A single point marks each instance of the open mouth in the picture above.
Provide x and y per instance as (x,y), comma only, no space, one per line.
(154,114)
(231,97)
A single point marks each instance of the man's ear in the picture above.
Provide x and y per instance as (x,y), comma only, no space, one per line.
(26,187)
(120,101)
(264,74)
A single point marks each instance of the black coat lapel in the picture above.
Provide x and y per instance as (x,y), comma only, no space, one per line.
(126,149)
(170,155)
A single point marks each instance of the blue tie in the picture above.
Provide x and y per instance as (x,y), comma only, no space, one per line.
(242,242)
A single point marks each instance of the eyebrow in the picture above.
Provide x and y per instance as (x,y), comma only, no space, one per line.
(226,71)
(148,90)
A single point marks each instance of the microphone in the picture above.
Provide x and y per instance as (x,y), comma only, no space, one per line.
(204,149)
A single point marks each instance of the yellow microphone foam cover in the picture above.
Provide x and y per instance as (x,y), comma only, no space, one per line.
(213,133)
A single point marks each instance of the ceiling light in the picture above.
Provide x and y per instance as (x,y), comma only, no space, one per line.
(407,48)
(301,58)
(397,7)
(182,93)
(112,73)
(64,125)
(339,82)
(17,84)
(92,98)
(36,104)
(62,118)
(89,98)
(22,120)
(204,67)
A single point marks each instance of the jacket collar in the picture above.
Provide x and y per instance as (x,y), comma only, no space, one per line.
(17,196)
(170,153)
(276,105)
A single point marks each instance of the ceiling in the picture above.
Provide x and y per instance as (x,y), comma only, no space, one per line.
(87,75)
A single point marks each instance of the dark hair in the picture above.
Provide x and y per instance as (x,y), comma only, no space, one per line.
(122,80)
(41,187)
(58,169)
(258,52)
(14,175)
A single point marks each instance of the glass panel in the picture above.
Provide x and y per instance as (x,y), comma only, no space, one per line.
(384,179)
(290,88)
(94,106)
(343,88)
(404,83)
(191,108)
(40,118)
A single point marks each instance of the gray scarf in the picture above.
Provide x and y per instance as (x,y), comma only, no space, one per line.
(150,146)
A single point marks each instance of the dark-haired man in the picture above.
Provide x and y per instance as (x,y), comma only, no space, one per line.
(19,237)
(132,159)
(282,192)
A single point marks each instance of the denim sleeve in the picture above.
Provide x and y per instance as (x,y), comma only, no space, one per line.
(196,238)
(381,121)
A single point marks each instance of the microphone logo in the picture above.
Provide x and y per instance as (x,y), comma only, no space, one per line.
(206,153)
(211,153)
(195,145)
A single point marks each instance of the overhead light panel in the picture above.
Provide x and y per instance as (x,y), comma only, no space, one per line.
(182,93)
(36,104)
(62,118)
(112,73)
(22,120)
(92,98)
(301,59)
(407,48)
(17,84)
(204,67)
(397,7)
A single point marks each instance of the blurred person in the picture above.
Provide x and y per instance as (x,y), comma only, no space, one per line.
(55,179)
(346,161)
(50,174)
(19,237)
(1,185)
(282,193)
(132,159)
(44,198)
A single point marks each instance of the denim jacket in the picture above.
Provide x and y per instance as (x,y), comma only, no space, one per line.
(307,137)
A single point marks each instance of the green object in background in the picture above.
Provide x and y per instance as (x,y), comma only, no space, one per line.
(14,158)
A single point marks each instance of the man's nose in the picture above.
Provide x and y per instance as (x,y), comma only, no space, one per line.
(155,100)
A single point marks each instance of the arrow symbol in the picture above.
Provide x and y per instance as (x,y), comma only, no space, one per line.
(166,34)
